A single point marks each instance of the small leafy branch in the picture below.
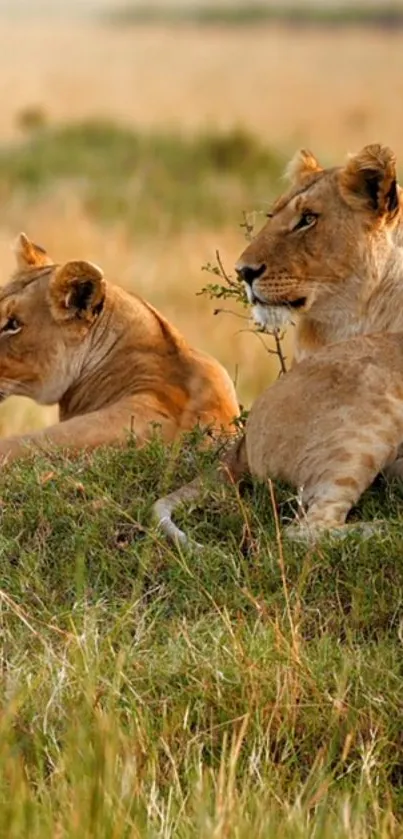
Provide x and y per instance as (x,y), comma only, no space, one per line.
(226,288)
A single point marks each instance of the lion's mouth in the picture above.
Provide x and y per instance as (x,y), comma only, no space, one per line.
(296,304)
(299,303)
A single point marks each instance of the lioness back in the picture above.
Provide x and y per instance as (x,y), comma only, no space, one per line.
(110,360)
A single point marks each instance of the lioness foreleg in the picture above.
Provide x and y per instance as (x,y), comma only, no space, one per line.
(110,425)
(328,500)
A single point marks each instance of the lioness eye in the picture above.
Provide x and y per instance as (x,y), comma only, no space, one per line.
(11,325)
(306,220)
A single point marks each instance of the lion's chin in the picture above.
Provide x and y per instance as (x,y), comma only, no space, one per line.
(271,317)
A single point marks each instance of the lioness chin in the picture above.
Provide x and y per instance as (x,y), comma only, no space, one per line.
(109,359)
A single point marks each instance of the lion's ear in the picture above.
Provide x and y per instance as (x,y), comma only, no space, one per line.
(28,254)
(369,179)
(77,290)
(303,165)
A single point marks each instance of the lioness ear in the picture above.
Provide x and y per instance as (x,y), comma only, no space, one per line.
(302,166)
(369,178)
(77,290)
(29,255)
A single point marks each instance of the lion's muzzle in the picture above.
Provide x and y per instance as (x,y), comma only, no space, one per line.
(249,273)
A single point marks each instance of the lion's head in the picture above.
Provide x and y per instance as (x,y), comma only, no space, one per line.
(46,314)
(328,241)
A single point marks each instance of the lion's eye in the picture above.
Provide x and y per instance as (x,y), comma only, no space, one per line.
(11,326)
(306,220)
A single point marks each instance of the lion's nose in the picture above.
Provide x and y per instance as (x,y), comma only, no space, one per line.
(248,273)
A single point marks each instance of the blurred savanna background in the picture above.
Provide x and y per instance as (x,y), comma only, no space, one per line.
(142,136)
(253,689)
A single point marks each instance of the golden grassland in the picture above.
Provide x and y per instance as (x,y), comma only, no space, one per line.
(251,689)
(332,90)
(327,88)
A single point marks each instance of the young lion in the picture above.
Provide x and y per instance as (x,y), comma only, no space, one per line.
(109,359)
(331,252)
(327,428)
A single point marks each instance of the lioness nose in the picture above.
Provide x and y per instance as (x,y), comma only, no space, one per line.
(248,273)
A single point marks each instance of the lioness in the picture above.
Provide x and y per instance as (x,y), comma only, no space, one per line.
(331,252)
(327,428)
(109,359)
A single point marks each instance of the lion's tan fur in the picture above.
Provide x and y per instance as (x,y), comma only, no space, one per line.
(109,359)
(345,270)
(327,428)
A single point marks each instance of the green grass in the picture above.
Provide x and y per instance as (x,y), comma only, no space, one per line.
(244,691)
(387,15)
(149,181)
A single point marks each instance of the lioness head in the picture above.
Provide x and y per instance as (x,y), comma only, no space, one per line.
(46,314)
(333,228)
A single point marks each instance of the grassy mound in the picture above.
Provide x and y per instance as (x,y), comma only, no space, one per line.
(252,689)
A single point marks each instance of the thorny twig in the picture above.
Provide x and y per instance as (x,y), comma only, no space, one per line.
(273,333)
(230,288)
(230,312)
(248,226)
(279,350)
(223,272)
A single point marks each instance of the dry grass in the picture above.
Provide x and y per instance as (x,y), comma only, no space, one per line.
(329,90)
(247,690)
